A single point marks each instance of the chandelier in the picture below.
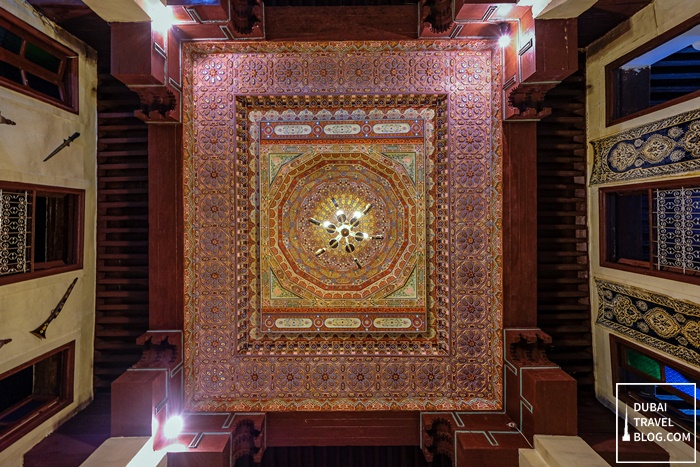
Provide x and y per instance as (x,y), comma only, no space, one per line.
(346,231)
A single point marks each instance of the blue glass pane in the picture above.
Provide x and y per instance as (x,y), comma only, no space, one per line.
(672,376)
(668,397)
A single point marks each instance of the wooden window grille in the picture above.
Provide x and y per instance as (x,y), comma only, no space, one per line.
(40,231)
(36,65)
(677,239)
(15,233)
(653,229)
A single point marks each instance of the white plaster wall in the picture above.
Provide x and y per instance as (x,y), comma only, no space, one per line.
(649,23)
(25,305)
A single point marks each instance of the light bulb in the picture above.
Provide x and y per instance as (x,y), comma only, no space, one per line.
(173,427)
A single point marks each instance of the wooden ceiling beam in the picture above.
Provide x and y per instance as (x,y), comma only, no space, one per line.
(341,23)
(119,10)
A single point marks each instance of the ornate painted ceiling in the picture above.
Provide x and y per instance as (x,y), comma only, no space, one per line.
(286,312)
(352,155)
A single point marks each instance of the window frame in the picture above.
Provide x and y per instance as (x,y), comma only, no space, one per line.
(611,91)
(617,361)
(51,407)
(66,78)
(75,240)
(629,265)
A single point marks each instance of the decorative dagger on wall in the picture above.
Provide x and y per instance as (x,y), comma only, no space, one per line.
(6,121)
(66,142)
(40,332)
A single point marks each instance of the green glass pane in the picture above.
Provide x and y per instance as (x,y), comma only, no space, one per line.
(643,363)
(42,58)
(10,41)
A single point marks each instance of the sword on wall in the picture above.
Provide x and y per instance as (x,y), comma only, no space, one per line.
(40,332)
(66,142)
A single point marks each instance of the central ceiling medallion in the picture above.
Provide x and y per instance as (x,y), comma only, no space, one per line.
(345,232)
(346,248)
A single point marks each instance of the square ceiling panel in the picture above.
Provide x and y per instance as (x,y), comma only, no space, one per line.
(286,312)
(343,211)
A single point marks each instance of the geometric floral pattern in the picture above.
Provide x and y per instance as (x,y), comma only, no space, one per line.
(666,147)
(656,320)
(232,363)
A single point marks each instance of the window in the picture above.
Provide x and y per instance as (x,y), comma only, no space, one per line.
(40,231)
(662,72)
(34,64)
(653,229)
(633,364)
(35,391)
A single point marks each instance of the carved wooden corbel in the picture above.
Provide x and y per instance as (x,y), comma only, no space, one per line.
(246,15)
(438,436)
(156,103)
(528,347)
(249,437)
(437,13)
(528,99)
(161,350)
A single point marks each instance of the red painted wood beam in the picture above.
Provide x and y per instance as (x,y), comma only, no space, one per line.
(520,224)
(165,217)
(343,428)
(341,23)
(134,395)
(135,58)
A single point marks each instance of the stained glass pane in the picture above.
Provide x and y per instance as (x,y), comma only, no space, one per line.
(643,363)
(673,376)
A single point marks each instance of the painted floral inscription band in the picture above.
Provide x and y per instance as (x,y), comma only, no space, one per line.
(656,320)
(669,146)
